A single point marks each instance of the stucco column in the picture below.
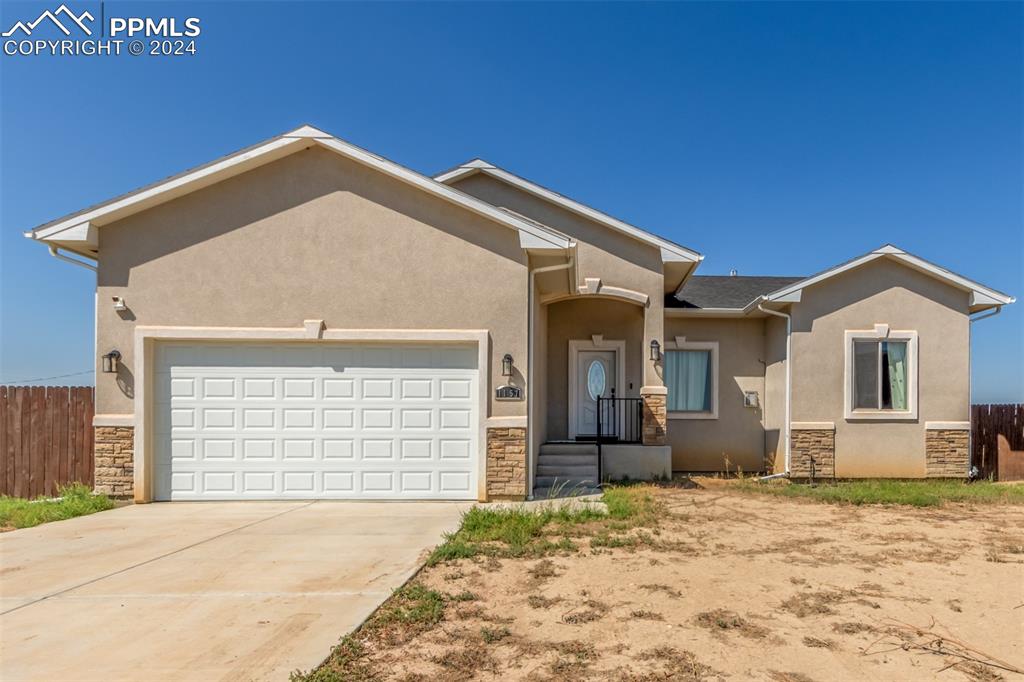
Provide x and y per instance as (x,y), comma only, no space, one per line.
(653,392)
(654,330)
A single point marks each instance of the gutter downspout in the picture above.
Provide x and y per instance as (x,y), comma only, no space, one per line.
(787,427)
(970,382)
(531,422)
(55,252)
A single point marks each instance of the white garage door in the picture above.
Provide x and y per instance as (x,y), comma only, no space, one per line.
(315,421)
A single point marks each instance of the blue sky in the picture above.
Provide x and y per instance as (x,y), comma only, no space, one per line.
(775,138)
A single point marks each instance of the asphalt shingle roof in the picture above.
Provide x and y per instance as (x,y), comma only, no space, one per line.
(724,291)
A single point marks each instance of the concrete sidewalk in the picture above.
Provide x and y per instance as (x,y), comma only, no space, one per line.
(203,591)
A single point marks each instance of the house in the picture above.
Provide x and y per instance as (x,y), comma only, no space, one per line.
(306,319)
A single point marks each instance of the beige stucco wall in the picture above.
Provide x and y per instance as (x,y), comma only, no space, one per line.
(737,435)
(311,236)
(773,402)
(617,259)
(581,318)
(881,292)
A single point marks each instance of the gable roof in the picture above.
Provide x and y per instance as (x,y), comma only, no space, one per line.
(981,296)
(731,292)
(77,231)
(670,251)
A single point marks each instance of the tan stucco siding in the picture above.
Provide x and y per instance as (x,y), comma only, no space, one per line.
(773,402)
(581,319)
(312,236)
(737,435)
(615,258)
(881,292)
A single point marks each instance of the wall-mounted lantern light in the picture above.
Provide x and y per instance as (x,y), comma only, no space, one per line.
(506,365)
(110,361)
(655,350)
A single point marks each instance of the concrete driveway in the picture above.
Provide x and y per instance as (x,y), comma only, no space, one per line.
(205,590)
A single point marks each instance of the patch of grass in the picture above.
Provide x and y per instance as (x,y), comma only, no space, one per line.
(75,500)
(523,532)
(923,493)
(413,608)
(633,503)
(347,663)
(518,532)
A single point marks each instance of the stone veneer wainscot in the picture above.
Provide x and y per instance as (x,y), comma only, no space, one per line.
(506,463)
(947,453)
(114,468)
(818,445)
(655,417)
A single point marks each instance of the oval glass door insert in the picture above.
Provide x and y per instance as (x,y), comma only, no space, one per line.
(595,379)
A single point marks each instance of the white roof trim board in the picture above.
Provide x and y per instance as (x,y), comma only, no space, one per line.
(670,252)
(981,296)
(78,229)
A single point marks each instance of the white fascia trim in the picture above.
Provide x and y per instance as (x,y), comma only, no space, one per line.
(172,188)
(706,312)
(301,138)
(980,295)
(813,426)
(147,336)
(670,252)
(947,426)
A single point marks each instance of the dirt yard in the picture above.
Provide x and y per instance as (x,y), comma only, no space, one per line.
(726,584)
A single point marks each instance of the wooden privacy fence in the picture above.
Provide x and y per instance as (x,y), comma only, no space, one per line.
(46,438)
(988,422)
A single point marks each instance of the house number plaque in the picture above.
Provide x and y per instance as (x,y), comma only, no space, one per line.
(508,392)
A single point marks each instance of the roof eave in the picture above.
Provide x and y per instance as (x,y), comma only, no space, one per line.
(670,252)
(531,234)
(981,296)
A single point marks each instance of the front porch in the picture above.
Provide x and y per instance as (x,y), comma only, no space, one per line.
(598,412)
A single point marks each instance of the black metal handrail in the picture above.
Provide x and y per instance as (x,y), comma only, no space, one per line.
(619,420)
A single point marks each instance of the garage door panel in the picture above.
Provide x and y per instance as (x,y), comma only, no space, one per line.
(302,421)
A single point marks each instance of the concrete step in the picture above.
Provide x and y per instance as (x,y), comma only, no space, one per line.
(565,483)
(570,460)
(568,449)
(569,470)
(550,493)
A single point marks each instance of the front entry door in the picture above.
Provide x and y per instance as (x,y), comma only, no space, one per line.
(595,376)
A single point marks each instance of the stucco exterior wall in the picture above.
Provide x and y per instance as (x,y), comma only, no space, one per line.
(311,236)
(881,292)
(737,435)
(581,318)
(773,402)
(617,259)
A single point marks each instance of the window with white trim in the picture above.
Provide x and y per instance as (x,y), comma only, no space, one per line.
(881,374)
(691,377)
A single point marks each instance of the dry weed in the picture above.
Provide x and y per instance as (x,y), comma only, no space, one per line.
(816,643)
(724,620)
